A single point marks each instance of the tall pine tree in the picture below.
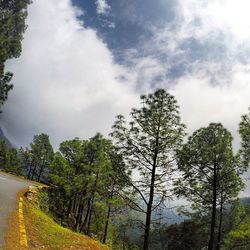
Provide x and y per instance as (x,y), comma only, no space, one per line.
(148,144)
(210,174)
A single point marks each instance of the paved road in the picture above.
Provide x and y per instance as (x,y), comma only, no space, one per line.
(9,187)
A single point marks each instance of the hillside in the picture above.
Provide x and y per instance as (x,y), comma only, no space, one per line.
(44,233)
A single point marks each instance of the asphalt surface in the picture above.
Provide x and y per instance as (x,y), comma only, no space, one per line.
(9,187)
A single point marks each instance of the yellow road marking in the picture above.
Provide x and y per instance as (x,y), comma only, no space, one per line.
(23,236)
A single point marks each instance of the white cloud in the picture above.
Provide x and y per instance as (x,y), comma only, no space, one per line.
(203,58)
(111,25)
(102,7)
(202,103)
(227,15)
(66,81)
(214,85)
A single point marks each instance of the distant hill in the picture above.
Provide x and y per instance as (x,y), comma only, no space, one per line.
(4,138)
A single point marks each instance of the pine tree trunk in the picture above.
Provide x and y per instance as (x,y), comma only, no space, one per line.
(151,198)
(90,216)
(151,193)
(149,211)
(40,173)
(75,203)
(29,172)
(106,225)
(84,224)
(220,225)
(69,207)
(108,216)
(79,217)
(213,218)
(33,172)
(92,203)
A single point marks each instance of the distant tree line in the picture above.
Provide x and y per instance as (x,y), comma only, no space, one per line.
(9,160)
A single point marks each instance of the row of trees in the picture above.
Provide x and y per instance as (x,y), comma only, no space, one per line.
(147,163)
(204,170)
(86,177)
(93,175)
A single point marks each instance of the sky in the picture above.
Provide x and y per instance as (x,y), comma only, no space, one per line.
(84,62)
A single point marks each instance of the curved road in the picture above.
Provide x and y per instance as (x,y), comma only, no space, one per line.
(9,187)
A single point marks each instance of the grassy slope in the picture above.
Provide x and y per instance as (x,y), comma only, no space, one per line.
(44,233)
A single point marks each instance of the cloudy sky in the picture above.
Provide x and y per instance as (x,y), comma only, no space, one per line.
(83,62)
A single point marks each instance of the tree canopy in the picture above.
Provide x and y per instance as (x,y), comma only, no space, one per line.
(12,26)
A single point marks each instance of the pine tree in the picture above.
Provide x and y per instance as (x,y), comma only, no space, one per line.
(244,130)
(148,144)
(210,174)
(41,155)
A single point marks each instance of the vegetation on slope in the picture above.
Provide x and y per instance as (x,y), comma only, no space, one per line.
(239,236)
(44,233)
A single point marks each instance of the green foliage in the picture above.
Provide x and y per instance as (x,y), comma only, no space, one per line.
(239,236)
(86,175)
(5,87)
(3,154)
(25,159)
(210,172)
(36,160)
(43,200)
(127,232)
(244,130)
(9,160)
(186,235)
(207,148)
(62,174)
(12,26)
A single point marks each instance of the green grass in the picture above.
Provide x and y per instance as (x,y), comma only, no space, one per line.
(44,233)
